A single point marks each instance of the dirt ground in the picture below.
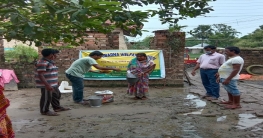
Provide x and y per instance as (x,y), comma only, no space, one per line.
(168,113)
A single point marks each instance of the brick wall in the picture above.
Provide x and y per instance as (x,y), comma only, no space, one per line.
(174,58)
(24,72)
(173,62)
(98,41)
(2,59)
(94,41)
(251,57)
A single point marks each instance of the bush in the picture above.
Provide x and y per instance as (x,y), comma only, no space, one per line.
(21,53)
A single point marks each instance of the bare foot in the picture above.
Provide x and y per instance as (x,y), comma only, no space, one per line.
(233,106)
(225,102)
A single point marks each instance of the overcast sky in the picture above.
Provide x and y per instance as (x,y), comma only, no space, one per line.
(243,15)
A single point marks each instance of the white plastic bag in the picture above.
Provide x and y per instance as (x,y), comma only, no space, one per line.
(130,75)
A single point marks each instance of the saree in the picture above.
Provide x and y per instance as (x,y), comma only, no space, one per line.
(6,130)
(140,88)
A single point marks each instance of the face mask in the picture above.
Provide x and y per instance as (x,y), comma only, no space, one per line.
(208,52)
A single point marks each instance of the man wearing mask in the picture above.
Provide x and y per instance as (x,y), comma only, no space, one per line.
(209,64)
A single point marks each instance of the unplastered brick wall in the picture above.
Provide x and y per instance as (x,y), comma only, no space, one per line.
(251,57)
(94,41)
(174,61)
(1,50)
(173,56)
(24,72)
(97,41)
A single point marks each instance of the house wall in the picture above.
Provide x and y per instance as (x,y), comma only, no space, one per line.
(13,43)
(251,57)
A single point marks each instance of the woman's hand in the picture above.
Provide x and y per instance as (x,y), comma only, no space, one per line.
(217,75)
(140,74)
(226,82)
(218,80)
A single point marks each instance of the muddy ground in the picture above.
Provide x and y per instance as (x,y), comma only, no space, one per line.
(168,113)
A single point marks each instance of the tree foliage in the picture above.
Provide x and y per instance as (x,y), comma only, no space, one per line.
(223,35)
(191,41)
(252,40)
(67,20)
(202,32)
(142,44)
(176,28)
(218,34)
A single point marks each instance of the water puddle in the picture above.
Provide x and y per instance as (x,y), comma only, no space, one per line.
(257,129)
(195,100)
(191,97)
(189,131)
(194,113)
(247,121)
(220,119)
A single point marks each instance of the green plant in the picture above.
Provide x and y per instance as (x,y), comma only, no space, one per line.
(176,28)
(48,21)
(142,44)
(22,53)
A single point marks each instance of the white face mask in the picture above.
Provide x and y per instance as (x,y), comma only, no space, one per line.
(208,52)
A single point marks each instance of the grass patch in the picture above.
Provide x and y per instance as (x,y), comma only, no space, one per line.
(193,56)
(62,130)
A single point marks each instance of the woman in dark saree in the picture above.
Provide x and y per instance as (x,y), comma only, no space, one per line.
(141,66)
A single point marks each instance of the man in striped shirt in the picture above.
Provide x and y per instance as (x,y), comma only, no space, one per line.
(46,78)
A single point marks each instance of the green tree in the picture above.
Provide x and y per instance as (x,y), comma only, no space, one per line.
(176,28)
(191,41)
(67,20)
(252,40)
(223,35)
(220,35)
(142,44)
(202,32)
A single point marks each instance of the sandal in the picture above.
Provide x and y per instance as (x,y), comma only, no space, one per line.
(62,109)
(136,98)
(205,96)
(211,98)
(83,102)
(144,98)
(49,113)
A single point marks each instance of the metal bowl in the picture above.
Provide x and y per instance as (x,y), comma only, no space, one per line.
(95,101)
(132,81)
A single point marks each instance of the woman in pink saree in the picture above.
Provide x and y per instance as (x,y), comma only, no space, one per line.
(141,66)
(6,130)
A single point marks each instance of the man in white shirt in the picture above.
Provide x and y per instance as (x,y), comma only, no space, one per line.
(229,75)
